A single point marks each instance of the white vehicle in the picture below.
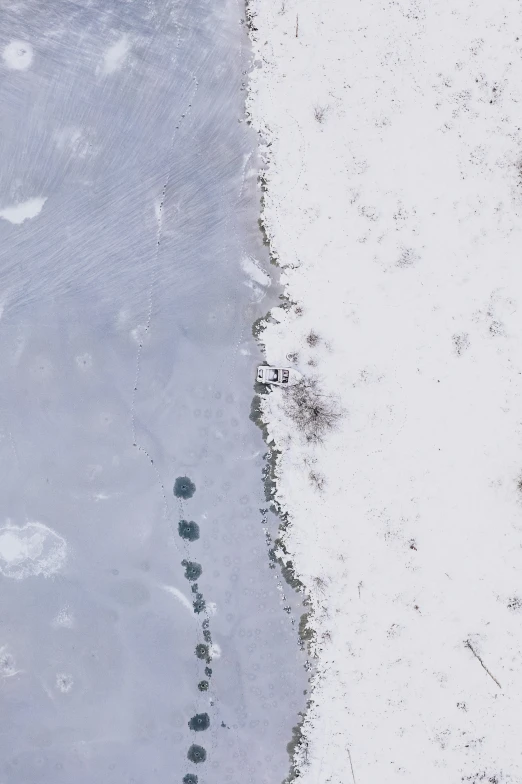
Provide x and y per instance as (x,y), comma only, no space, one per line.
(282,377)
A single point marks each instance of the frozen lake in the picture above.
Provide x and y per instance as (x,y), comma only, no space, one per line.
(128,224)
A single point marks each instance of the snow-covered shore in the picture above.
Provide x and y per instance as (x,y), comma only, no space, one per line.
(393,205)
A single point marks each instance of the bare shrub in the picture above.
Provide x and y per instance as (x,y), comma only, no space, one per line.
(496,328)
(317,480)
(518,171)
(320,584)
(460,342)
(313,413)
(312,338)
(320,113)
(408,258)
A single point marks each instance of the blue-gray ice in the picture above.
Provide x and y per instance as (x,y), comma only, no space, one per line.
(128,205)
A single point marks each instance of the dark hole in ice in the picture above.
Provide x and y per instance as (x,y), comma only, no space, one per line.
(193,570)
(199,603)
(194,588)
(203,685)
(199,722)
(188,529)
(196,753)
(201,651)
(208,672)
(190,778)
(183,487)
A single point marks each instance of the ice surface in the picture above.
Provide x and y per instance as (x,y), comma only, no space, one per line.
(127,361)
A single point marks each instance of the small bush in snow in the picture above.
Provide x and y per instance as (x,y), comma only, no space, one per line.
(313,412)
(460,342)
(312,338)
(317,480)
(320,113)
(320,584)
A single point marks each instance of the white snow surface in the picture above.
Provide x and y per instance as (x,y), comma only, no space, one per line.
(30,550)
(252,268)
(23,210)
(116,54)
(392,141)
(18,55)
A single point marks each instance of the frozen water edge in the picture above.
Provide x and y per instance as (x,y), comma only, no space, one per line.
(132,270)
(393,206)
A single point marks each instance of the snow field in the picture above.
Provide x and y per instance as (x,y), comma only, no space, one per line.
(393,197)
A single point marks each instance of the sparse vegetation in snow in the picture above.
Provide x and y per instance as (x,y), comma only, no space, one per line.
(313,412)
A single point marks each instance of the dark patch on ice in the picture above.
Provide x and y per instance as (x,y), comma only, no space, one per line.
(203,685)
(189,530)
(199,603)
(256,415)
(193,570)
(306,633)
(190,778)
(208,672)
(184,487)
(196,753)
(298,741)
(202,651)
(199,722)
(269,474)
